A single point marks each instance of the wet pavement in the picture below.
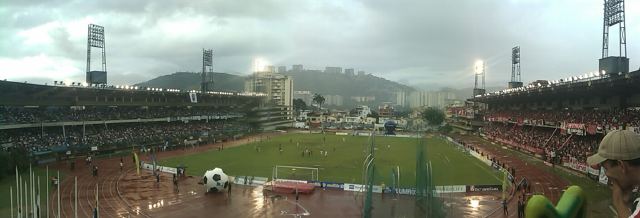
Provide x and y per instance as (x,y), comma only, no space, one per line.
(126,194)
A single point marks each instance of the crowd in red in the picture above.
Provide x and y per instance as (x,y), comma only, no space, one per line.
(554,144)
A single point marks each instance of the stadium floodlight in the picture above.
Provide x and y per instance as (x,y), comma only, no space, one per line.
(478,67)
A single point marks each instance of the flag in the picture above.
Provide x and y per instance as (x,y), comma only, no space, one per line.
(193,97)
(135,157)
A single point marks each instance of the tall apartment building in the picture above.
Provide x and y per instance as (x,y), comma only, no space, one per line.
(349,72)
(271,69)
(430,99)
(306,96)
(297,68)
(401,98)
(278,87)
(282,69)
(336,100)
(333,69)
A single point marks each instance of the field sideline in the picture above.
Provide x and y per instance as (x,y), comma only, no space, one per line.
(344,160)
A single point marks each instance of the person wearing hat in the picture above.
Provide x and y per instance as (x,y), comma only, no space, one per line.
(619,154)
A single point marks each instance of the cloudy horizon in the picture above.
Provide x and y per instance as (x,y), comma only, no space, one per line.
(425,44)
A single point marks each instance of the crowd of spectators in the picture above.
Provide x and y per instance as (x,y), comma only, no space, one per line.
(551,141)
(116,135)
(22,115)
(622,117)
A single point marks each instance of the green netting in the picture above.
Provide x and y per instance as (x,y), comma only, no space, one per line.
(369,169)
(427,205)
(426,202)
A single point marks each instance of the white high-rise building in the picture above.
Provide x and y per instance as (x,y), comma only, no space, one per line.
(333,69)
(430,99)
(306,96)
(336,100)
(278,87)
(401,98)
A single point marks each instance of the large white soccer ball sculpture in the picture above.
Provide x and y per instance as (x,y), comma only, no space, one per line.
(215,180)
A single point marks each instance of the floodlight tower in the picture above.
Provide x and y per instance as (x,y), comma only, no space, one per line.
(479,71)
(207,70)
(516,80)
(614,14)
(95,39)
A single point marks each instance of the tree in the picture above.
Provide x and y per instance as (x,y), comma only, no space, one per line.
(318,99)
(433,115)
(299,105)
(374,115)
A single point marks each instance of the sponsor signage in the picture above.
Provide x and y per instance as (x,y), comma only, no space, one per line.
(451,189)
(323,184)
(170,170)
(353,187)
(484,188)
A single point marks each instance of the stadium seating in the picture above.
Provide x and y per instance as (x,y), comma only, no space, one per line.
(22,115)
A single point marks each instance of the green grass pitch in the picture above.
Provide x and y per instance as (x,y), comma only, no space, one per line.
(344,160)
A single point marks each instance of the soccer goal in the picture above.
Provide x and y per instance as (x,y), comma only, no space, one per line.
(294,173)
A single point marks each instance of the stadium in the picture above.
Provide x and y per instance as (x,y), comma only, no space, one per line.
(225,131)
(96,149)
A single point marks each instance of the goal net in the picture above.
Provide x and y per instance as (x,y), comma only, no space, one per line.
(284,173)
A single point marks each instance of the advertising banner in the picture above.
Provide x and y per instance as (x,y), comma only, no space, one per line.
(483,188)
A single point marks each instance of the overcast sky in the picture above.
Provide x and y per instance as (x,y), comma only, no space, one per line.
(423,43)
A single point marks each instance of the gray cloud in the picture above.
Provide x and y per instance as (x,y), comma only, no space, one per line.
(421,43)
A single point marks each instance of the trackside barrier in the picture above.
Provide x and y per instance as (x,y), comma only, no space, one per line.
(258,181)
(250,180)
(572,204)
(170,170)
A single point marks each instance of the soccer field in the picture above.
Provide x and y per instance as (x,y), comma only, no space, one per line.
(343,163)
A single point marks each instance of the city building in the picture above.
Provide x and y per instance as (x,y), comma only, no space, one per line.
(401,98)
(385,110)
(349,72)
(282,69)
(297,68)
(430,99)
(333,69)
(362,99)
(306,96)
(278,87)
(361,73)
(336,100)
(362,111)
